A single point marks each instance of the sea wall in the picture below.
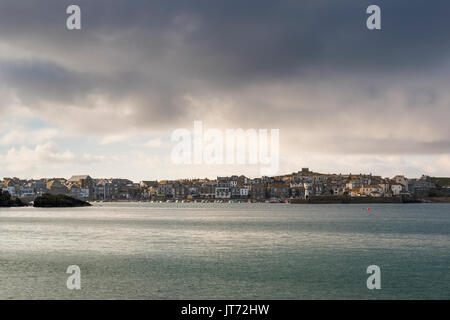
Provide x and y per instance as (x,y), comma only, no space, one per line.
(343,199)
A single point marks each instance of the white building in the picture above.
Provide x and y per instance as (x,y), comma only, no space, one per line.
(396,189)
(244,191)
(370,190)
(402,181)
(223,193)
(308,189)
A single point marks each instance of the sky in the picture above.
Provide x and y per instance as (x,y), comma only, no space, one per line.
(104,100)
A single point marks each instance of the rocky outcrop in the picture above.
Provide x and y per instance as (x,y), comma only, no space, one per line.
(58,201)
(6,201)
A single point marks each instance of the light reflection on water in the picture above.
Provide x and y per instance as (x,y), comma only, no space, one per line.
(226,251)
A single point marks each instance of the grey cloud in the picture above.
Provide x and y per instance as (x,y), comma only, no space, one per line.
(47,81)
(151,55)
(252,39)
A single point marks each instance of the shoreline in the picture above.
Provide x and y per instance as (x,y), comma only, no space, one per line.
(312,200)
(333,200)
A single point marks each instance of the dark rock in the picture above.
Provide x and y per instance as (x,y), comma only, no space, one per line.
(58,201)
(5,200)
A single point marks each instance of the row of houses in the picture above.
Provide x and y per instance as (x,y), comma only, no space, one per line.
(299,185)
(81,187)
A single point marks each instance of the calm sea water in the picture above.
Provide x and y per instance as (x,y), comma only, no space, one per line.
(226,251)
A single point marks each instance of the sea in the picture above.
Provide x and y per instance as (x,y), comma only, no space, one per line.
(161,251)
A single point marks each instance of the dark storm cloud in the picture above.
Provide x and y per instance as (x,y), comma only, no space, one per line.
(152,54)
(44,81)
(251,40)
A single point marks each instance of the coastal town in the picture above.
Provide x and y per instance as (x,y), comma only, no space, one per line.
(303,186)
